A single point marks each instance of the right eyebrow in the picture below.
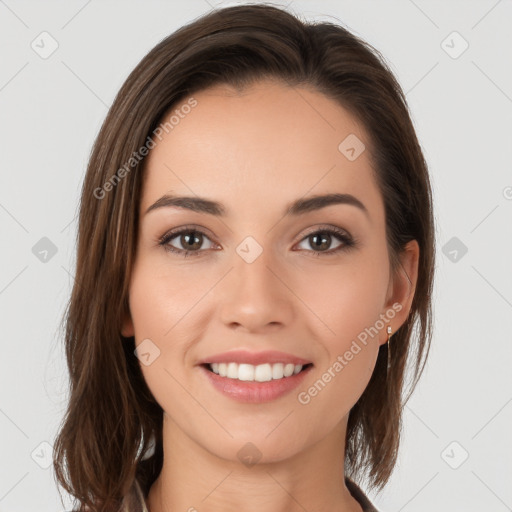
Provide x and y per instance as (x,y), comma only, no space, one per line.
(196,204)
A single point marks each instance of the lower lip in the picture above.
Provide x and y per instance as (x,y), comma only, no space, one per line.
(252,391)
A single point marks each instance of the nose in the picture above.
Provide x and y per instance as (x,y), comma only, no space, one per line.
(255,296)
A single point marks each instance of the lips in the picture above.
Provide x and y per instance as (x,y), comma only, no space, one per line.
(255,358)
(254,376)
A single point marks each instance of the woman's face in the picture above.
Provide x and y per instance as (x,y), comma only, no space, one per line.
(311,285)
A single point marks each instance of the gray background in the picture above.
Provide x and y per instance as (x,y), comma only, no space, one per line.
(51,110)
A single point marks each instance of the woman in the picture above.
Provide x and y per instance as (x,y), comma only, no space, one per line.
(255,249)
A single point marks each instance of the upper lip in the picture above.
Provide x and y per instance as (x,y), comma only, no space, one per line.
(254,358)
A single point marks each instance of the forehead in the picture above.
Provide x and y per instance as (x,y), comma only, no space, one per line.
(265,145)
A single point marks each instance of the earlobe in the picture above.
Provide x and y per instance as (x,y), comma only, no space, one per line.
(403,285)
(127,329)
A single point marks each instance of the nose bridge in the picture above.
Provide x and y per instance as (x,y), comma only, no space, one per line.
(253,296)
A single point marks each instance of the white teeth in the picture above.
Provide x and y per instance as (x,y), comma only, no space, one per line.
(232,371)
(278,371)
(263,373)
(288,369)
(243,372)
(259,373)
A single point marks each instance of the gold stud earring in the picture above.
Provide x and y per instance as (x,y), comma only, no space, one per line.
(389,350)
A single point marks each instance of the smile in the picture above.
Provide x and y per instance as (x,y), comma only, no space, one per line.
(260,373)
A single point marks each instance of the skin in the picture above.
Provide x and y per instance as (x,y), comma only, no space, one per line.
(256,151)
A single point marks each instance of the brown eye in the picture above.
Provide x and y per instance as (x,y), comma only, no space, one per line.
(186,242)
(320,242)
(193,241)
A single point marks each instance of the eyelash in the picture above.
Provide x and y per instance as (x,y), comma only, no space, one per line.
(348,242)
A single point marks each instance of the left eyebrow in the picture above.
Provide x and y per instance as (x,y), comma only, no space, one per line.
(297,207)
(317,202)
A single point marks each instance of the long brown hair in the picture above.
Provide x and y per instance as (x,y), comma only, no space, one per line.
(112,429)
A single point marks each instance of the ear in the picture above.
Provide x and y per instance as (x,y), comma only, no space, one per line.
(127,329)
(401,288)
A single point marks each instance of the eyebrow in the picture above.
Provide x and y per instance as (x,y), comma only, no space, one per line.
(297,207)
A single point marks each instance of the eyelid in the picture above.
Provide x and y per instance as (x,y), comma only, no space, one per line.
(325,227)
(187,228)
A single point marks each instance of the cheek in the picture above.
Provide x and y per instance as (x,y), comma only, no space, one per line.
(166,304)
(347,298)
(351,309)
(159,304)
(349,301)
(161,296)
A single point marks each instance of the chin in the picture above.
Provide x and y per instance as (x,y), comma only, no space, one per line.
(255,447)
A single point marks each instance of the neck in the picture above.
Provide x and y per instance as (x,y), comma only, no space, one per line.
(194,479)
